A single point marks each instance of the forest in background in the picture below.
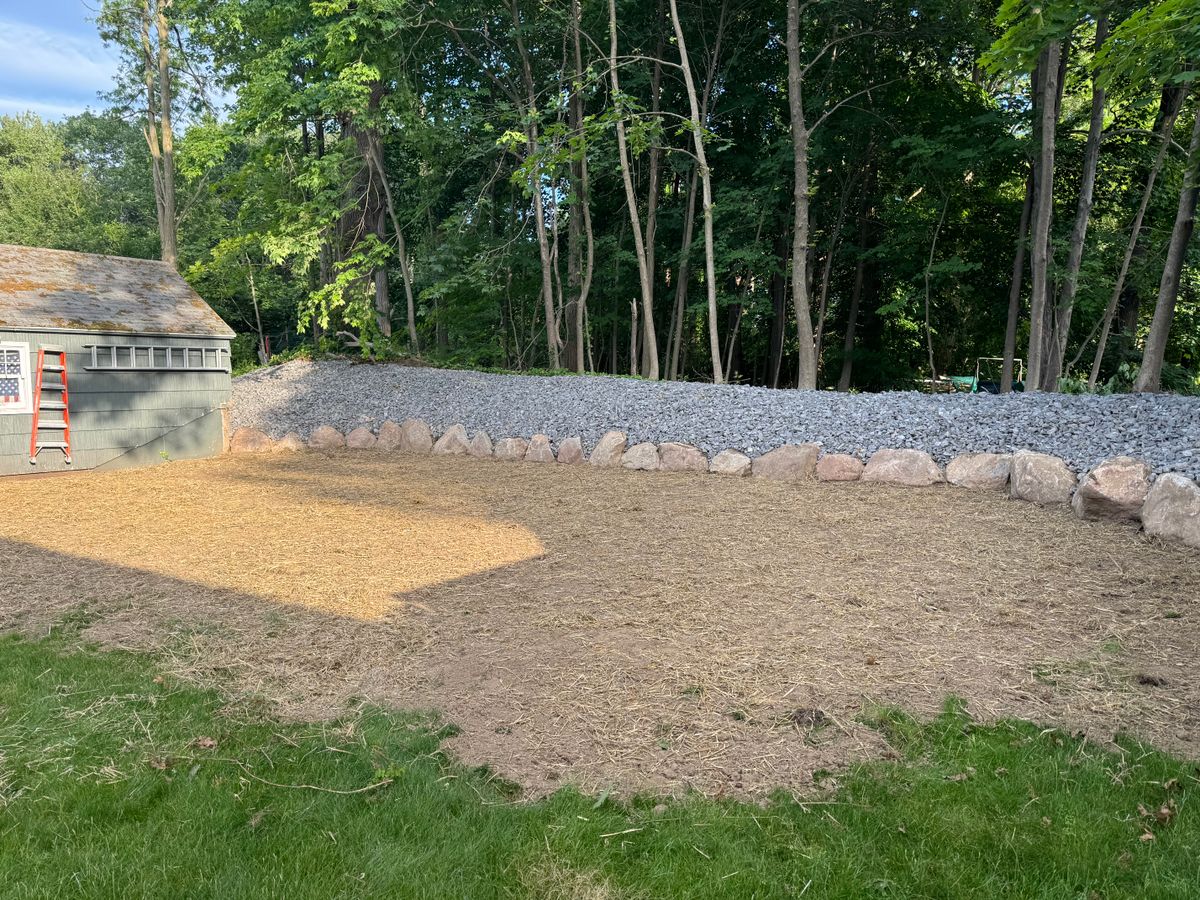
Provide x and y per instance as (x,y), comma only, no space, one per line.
(849,194)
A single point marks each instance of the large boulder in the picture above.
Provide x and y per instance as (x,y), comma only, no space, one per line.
(570,452)
(730,462)
(510,448)
(1172,509)
(360,439)
(911,468)
(980,471)
(249,440)
(839,467)
(480,446)
(1040,478)
(326,438)
(676,457)
(609,449)
(390,438)
(290,443)
(1115,490)
(643,457)
(790,462)
(453,443)
(539,449)
(415,437)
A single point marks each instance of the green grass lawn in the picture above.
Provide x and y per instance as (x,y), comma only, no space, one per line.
(118,782)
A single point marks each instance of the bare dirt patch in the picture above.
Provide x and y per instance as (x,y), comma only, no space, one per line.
(615,629)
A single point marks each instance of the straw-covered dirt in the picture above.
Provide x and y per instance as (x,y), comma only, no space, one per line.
(612,629)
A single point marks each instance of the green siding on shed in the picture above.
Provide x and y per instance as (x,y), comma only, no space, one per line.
(122,418)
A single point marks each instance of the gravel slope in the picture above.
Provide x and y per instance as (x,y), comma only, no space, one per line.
(1163,430)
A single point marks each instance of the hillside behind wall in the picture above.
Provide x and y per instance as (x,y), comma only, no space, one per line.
(1163,430)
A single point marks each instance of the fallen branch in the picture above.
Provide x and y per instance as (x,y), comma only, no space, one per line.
(314,787)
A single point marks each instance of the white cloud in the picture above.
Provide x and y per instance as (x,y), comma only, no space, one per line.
(53,69)
(47,109)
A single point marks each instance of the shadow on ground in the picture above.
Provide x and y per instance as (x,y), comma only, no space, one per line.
(616,629)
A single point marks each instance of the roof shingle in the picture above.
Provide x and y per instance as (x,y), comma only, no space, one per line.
(59,289)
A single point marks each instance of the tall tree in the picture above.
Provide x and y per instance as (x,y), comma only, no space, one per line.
(142,30)
(1043,210)
(697,129)
(582,238)
(1150,375)
(1065,305)
(1169,106)
(641,252)
(1016,281)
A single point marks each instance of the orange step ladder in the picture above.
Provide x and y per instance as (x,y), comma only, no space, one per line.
(54,434)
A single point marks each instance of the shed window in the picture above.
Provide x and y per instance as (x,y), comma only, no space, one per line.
(16,395)
(131,358)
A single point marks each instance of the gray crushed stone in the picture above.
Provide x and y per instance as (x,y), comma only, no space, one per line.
(1163,430)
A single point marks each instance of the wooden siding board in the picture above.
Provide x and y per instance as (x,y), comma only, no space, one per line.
(199,439)
(114,412)
(147,382)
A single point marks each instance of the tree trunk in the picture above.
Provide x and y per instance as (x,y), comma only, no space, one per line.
(372,207)
(156,73)
(683,275)
(779,308)
(1135,229)
(581,215)
(376,158)
(851,327)
(553,340)
(582,337)
(639,245)
(573,321)
(835,240)
(860,269)
(679,314)
(928,272)
(263,356)
(1014,290)
(170,241)
(655,167)
(1091,156)
(710,273)
(1043,210)
(807,376)
(1150,376)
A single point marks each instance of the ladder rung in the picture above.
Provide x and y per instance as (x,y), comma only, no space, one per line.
(60,429)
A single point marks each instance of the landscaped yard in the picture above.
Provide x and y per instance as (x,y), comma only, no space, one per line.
(634,635)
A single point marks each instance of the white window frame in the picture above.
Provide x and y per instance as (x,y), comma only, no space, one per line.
(24,382)
(176,358)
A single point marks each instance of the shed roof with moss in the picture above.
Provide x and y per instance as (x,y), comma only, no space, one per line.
(59,290)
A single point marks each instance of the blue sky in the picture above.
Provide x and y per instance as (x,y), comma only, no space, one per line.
(51,59)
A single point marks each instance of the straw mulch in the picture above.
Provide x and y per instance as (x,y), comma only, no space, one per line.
(615,630)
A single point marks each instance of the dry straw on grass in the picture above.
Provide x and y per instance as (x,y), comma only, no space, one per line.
(613,628)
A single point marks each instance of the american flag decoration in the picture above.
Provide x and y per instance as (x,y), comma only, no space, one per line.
(10,376)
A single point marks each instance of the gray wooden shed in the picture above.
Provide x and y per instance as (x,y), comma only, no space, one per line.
(147,362)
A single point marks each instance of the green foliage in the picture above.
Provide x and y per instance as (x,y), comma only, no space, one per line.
(72,186)
(924,110)
(1029,25)
(118,780)
(1159,43)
